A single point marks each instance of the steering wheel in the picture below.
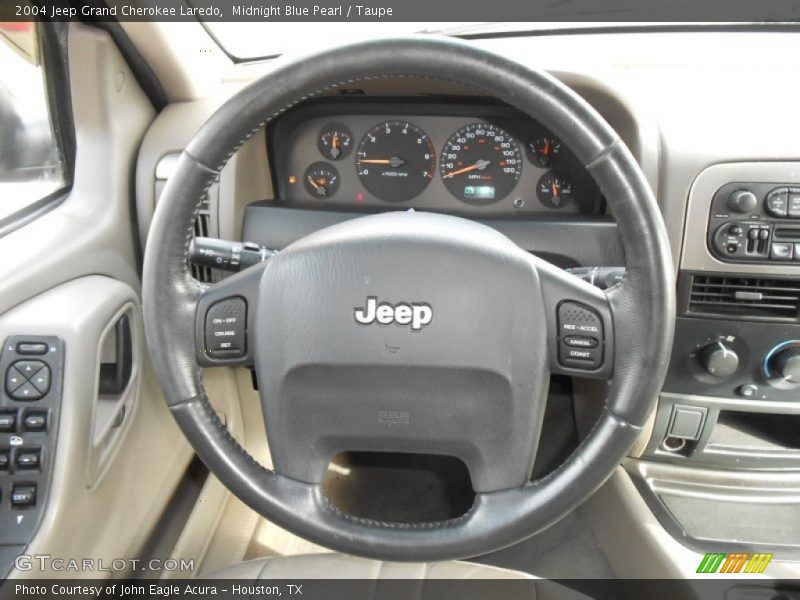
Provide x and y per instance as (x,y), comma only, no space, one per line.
(408,331)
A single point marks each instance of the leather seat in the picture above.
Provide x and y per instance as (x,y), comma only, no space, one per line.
(308,567)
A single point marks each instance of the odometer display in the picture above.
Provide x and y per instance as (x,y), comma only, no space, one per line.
(395,161)
(481,164)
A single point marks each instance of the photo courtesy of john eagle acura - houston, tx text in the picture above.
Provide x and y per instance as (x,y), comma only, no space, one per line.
(399,300)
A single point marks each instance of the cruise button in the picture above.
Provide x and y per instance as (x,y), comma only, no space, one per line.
(579,341)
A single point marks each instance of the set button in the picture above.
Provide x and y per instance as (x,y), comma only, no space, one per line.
(28,380)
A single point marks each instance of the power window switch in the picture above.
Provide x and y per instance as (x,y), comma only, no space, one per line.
(687,422)
(23,496)
(28,459)
(35,421)
(8,422)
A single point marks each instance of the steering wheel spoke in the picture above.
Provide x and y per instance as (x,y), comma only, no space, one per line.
(579,323)
(223,320)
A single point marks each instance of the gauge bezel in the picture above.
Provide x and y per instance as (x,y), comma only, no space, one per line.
(516,149)
(330,127)
(392,192)
(334,185)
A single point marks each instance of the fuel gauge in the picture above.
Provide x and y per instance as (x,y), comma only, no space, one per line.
(554,190)
(335,141)
(321,180)
(543,149)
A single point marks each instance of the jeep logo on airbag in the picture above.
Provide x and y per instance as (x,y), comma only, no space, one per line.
(415,314)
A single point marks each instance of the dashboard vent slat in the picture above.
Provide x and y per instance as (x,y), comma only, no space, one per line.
(744,297)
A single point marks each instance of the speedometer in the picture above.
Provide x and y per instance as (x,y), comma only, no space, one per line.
(481,163)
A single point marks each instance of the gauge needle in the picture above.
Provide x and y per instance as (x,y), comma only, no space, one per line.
(554,187)
(335,146)
(394,161)
(479,165)
(320,189)
(546,149)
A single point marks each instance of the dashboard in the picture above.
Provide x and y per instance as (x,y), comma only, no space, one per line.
(446,156)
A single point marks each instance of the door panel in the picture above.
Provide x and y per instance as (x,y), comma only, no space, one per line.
(113,455)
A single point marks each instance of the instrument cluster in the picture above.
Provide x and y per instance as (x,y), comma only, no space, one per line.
(447,157)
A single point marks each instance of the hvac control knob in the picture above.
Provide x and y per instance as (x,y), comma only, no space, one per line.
(742,201)
(719,360)
(786,364)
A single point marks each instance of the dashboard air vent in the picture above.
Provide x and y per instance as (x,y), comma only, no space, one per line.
(202,228)
(744,297)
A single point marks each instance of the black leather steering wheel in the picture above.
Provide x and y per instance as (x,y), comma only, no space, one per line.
(412,332)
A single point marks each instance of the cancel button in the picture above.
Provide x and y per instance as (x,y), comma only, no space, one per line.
(581,341)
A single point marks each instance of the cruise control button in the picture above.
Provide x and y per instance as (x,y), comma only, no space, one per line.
(32,348)
(579,341)
(23,495)
(579,322)
(225,328)
(26,392)
(14,379)
(777,202)
(781,251)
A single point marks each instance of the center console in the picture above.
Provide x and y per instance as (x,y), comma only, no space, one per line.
(728,424)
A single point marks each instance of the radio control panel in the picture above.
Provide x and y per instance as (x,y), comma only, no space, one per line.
(755,223)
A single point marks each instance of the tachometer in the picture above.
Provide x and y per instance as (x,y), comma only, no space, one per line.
(481,163)
(395,161)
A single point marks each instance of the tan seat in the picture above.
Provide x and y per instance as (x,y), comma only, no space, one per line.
(339,566)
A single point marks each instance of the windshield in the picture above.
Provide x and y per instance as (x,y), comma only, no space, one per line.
(246,41)
(252,40)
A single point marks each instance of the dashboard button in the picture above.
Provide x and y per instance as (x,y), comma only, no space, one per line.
(781,251)
(777,203)
(5,457)
(794,203)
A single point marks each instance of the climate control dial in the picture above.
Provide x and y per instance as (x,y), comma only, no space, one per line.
(782,364)
(719,359)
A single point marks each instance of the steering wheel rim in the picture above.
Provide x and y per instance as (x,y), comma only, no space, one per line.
(641,307)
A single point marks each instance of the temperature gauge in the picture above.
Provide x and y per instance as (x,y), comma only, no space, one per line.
(321,180)
(335,141)
(554,190)
(544,149)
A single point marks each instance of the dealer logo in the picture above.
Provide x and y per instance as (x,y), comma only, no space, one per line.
(413,314)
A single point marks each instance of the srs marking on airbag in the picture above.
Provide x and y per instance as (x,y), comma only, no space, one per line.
(415,314)
(394,417)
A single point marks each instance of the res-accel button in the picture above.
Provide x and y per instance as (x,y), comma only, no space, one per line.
(580,337)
